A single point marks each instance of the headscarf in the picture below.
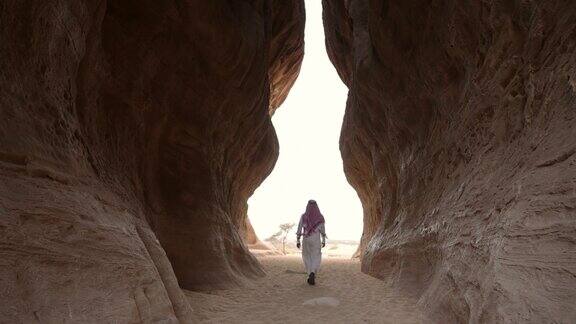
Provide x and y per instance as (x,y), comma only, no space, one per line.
(312,218)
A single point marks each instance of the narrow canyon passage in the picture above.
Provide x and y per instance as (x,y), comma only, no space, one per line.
(132,134)
(309,165)
(342,295)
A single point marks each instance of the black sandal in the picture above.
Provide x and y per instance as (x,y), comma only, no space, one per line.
(311,278)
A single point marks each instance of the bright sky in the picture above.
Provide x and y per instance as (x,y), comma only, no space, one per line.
(310,166)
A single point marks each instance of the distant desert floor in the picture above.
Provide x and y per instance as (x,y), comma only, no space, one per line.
(342,294)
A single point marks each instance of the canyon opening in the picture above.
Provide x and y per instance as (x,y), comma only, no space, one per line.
(133,133)
(309,165)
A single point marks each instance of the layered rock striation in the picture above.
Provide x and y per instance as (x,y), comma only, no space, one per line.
(131,135)
(460,139)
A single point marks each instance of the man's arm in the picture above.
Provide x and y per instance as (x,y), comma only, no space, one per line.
(322,229)
(299,233)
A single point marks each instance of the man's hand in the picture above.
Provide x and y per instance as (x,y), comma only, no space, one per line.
(323,243)
(298,244)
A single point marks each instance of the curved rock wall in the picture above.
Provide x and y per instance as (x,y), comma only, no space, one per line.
(131,135)
(460,138)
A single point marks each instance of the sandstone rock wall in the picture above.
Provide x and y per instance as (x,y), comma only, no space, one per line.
(460,138)
(131,135)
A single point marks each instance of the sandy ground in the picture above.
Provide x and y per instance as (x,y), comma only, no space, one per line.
(342,295)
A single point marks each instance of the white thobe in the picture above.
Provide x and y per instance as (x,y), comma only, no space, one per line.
(312,248)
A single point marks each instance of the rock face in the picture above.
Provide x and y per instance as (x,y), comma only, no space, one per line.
(460,138)
(131,135)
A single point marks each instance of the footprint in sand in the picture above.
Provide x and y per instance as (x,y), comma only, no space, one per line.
(322,301)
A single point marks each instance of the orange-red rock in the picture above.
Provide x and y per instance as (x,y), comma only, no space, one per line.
(460,138)
(131,135)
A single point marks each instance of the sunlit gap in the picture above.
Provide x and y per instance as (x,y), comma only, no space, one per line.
(310,166)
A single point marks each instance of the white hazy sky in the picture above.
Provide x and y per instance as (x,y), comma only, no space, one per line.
(310,166)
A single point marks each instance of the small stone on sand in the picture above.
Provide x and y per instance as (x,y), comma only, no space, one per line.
(322,301)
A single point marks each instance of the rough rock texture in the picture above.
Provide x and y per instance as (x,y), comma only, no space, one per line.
(131,135)
(460,138)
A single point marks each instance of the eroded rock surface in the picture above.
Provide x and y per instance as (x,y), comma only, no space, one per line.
(460,138)
(131,135)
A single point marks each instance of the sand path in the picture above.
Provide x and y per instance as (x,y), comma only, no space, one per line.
(342,295)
